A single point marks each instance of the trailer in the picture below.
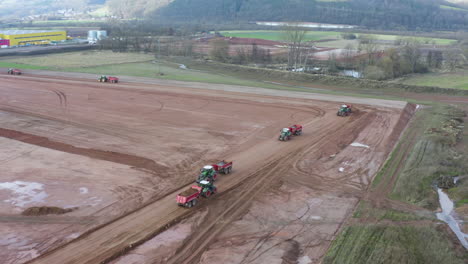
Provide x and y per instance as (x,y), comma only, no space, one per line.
(189,197)
(110,79)
(14,71)
(223,167)
(287,132)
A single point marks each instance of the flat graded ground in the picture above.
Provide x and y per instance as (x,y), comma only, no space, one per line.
(117,155)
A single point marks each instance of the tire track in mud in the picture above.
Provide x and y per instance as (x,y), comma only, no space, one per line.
(128,240)
(255,184)
(126,159)
(353,130)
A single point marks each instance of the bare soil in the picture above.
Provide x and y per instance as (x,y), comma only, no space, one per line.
(122,152)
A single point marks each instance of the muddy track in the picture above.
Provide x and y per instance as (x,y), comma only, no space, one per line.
(148,221)
(169,119)
(218,219)
(130,160)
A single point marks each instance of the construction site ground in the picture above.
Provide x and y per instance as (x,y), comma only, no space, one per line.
(116,155)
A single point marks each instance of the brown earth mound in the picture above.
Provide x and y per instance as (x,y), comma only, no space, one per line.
(46,210)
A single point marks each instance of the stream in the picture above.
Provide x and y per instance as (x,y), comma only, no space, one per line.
(448,215)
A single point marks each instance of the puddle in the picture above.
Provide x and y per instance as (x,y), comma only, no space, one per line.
(449,216)
(83,190)
(24,192)
(355,144)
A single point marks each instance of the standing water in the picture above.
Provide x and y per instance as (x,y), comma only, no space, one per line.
(447,215)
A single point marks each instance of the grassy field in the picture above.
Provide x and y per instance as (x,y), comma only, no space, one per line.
(170,71)
(414,236)
(392,245)
(366,211)
(458,80)
(434,154)
(278,35)
(6,64)
(80,59)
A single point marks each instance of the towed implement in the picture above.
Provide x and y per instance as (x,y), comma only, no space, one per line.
(189,197)
(14,71)
(210,172)
(287,132)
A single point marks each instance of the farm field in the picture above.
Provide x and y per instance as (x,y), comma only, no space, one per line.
(458,80)
(123,151)
(278,35)
(129,64)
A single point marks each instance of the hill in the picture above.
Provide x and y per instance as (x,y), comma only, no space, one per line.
(18,9)
(388,14)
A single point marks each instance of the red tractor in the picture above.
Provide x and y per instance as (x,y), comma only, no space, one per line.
(14,71)
(189,197)
(110,79)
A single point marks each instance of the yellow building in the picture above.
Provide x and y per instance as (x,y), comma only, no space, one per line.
(30,37)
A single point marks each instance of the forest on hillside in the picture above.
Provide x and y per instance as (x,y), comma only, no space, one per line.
(378,14)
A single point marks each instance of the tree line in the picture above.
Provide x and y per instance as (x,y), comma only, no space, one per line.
(378,14)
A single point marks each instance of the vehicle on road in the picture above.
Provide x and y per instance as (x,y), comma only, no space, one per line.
(110,79)
(345,110)
(14,71)
(189,197)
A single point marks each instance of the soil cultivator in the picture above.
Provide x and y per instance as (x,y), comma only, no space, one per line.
(287,132)
(345,110)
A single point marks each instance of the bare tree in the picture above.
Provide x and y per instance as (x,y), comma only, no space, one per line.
(453,58)
(412,54)
(220,51)
(294,35)
(347,55)
(369,45)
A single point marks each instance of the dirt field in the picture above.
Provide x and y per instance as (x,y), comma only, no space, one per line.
(121,153)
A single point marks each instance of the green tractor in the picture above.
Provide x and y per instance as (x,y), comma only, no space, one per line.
(207,188)
(207,173)
(285,134)
(345,110)
(103,78)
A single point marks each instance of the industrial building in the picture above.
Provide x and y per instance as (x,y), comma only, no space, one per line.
(30,37)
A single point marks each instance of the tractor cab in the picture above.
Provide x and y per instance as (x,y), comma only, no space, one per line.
(344,110)
(207,173)
(103,78)
(207,187)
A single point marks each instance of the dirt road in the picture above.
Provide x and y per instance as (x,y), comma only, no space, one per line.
(146,140)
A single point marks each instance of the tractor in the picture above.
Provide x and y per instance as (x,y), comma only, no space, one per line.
(14,71)
(285,134)
(345,110)
(189,197)
(207,173)
(110,79)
